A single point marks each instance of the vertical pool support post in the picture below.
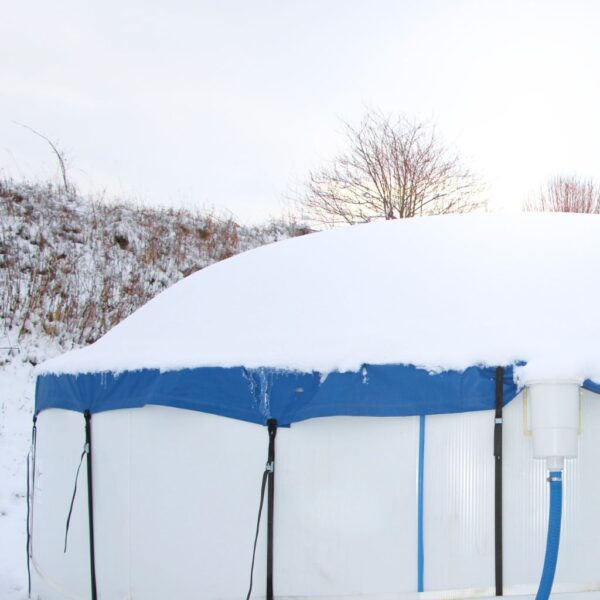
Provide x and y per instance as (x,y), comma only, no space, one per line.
(272,428)
(554,414)
(498,512)
(90,490)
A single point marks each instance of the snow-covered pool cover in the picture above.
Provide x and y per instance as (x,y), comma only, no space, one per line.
(380,312)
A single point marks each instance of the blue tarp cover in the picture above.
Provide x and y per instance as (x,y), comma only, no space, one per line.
(256,395)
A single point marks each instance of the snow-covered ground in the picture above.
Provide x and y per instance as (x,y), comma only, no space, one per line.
(16,407)
(17,388)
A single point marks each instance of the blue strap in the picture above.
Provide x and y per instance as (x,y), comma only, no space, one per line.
(420,544)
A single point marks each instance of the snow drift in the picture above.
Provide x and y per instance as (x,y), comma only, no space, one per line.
(437,292)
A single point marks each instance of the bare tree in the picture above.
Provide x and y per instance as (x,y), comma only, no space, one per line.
(60,155)
(567,194)
(393,169)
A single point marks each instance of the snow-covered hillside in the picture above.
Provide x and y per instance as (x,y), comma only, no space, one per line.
(70,269)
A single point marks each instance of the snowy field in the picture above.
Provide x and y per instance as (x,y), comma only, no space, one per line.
(17,388)
(16,407)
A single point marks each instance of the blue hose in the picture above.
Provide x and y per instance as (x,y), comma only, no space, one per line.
(554,519)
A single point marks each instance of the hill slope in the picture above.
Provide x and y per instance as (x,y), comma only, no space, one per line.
(71,269)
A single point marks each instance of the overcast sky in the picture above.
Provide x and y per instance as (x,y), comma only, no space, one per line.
(231,103)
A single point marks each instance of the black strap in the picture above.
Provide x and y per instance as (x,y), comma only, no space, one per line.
(30,492)
(85,449)
(498,480)
(88,442)
(267,477)
(260,507)
(272,425)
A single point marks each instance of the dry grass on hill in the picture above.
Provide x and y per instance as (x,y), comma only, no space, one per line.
(70,268)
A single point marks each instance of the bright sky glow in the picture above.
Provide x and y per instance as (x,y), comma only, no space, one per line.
(230,103)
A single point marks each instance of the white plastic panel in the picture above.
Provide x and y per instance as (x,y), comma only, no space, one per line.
(60,441)
(195,482)
(176,496)
(112,502)
(345,506)
(177,492)
(346,516)
(459,501)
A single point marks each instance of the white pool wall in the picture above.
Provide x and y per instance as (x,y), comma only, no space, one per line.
(176,495)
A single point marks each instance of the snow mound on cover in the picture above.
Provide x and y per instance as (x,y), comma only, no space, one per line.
(437,292)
